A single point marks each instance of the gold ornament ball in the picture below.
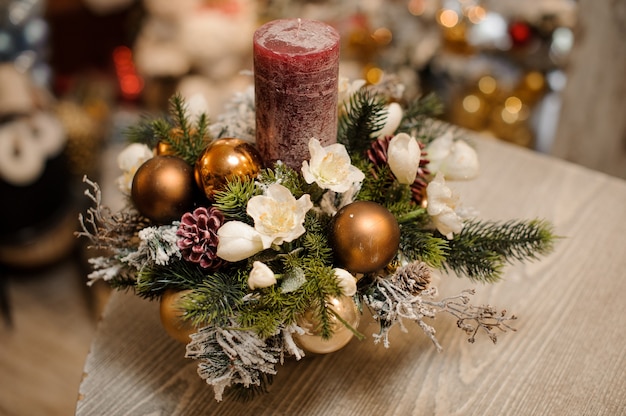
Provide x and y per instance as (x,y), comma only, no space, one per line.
(163,148)
(312,341)
(226,159)
(163,188)
(171,316)
(364,236)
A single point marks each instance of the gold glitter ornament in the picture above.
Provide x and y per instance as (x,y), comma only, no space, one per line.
(364,236)
(226,159)
(313,342)
(172,316)
(163,188)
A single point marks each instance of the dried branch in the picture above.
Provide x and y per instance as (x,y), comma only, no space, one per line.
(404,295)
(106,229)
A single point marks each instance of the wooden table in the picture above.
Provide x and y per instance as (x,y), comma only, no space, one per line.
(568,356)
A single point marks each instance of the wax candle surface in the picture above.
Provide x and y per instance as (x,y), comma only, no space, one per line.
(296,69)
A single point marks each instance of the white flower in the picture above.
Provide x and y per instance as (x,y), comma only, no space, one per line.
(238,241)
(455,159)
(403,156)
(330,167)
(278,216)
(129,160)
(260,276)
(441,207)
(347,89)
(392,122)
(347,282)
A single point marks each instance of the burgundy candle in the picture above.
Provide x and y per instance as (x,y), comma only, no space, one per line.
(296,69)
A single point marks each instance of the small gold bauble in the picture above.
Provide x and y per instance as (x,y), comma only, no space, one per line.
(176,135)
(163,148)
(171,316)
(365,236)
(312,342)
(226,159)
(163,188)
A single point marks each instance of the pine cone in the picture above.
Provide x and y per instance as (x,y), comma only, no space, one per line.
(413,278)
(198,232)
(377,154)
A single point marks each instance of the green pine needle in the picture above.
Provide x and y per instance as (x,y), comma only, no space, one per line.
(195,138)
(290,179)
(232,201)
(482,248)
(376,185)
(215,298)
(153,281)
(419,244)
(365,115)
(419,111)
(187,140)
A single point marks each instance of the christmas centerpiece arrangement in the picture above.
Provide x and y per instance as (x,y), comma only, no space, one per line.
(267,233)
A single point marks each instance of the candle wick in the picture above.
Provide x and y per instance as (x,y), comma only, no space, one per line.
(299,24)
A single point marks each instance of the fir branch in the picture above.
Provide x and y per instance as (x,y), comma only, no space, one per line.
(153,280)
(215,298)
(324,287)
(290,179)
(148,130)
(315,240)
(178,111)
(482,248)
(187,140)
(232,356)
(272,308)
(161,130)
(232,201)
(378,180)
(365,115)
(419,244)
(110,269)
(419,112)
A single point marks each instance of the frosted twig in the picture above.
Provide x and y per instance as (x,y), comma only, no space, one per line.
(104,229)
(404,295)
(471,318)
(231,356)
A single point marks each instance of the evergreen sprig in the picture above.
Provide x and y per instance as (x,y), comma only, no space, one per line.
(419,112)
(290,179)
(233,199)
(315,240)
(275,307)
(419,244)
(378,180)
(364,116)
(482,248)
(215,299)
(153,280)
(187,140)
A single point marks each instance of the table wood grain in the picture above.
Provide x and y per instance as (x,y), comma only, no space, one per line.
(567,357)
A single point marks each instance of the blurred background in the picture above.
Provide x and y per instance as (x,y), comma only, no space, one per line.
(546,75)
